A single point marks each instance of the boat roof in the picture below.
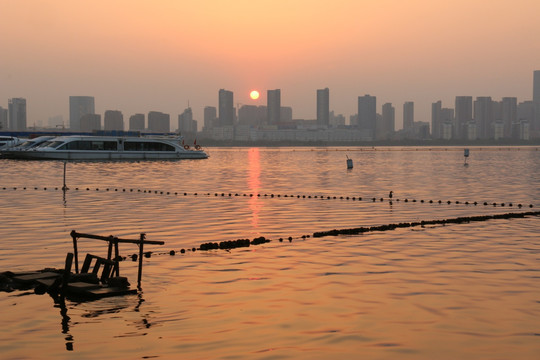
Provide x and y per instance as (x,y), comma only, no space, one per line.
(114,138)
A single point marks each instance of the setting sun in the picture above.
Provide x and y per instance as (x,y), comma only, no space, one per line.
(254,95)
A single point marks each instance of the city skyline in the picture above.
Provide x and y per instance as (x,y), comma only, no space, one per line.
(164,55)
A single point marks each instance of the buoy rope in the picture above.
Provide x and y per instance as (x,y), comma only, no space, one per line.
(232,244)
(272,196)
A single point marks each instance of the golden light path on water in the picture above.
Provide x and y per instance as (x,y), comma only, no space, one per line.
(254,184)
(466,291)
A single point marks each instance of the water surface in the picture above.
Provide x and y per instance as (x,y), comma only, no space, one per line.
(466,291)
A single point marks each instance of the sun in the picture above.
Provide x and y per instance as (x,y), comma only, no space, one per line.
(254,94)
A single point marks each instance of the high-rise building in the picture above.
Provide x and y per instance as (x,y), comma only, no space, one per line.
(536,99)
(509,117)
(285,114)
(408,115)
(463,116)
(323,107)
(17,114)
(186,124)
(273,99)
(113,120)
(367,114)
(252,115)
(90,122)
(159,122)
(436,122)
(3,118)
(226,108)
(210,117)
(388,120)
(525,114)
(136,122)
(79,106)
(483,117)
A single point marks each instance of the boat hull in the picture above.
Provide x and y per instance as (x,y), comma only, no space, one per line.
(103,155)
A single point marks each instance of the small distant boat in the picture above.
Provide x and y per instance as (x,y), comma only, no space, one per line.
(109,148)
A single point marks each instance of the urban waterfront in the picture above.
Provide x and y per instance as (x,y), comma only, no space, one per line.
(466,291)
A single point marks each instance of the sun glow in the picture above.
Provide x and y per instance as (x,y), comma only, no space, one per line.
(254,95)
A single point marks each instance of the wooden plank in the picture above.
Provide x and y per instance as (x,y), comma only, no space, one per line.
(112,291)
(80,286)
(32,277)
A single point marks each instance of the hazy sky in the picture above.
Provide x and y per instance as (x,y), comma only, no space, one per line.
(137,56)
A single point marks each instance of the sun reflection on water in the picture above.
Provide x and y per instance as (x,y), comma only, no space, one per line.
(254,184)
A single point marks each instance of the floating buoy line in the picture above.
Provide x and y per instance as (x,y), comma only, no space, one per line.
(271,196)
(233,244)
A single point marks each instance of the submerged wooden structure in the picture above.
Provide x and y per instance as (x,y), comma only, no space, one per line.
(97,278)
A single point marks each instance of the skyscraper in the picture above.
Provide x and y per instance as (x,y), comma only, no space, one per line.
(114,120)
(210,117)
(367,114)
(159,122)
(536,99)
(186,124)
(463,116)
(483,117)
(509,117)
(78,107)
(17,114)
(3,118)
(226,108)
(408,115)
(90,122)
(273,107)
(436,122)
(388,120)
(136,122)
(323,107)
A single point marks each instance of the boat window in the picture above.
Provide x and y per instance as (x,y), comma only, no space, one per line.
(53,144)
(89,145)
(147,146)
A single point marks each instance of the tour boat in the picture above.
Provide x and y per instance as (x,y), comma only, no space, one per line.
(9,141)
(109,148)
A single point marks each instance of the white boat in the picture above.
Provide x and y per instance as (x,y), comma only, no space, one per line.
(32,143)
(109,148)
(7,142)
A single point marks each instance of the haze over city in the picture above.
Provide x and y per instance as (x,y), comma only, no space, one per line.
(139,56)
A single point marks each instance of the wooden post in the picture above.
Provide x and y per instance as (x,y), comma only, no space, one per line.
(109,249)
(75,254)
(65,186)
(141,244)
(116,255)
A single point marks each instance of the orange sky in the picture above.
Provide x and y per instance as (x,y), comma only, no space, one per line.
(138,56)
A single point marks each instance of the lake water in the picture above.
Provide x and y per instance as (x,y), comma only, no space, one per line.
(460,291)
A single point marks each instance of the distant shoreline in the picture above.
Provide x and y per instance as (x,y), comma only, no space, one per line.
(381,143)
